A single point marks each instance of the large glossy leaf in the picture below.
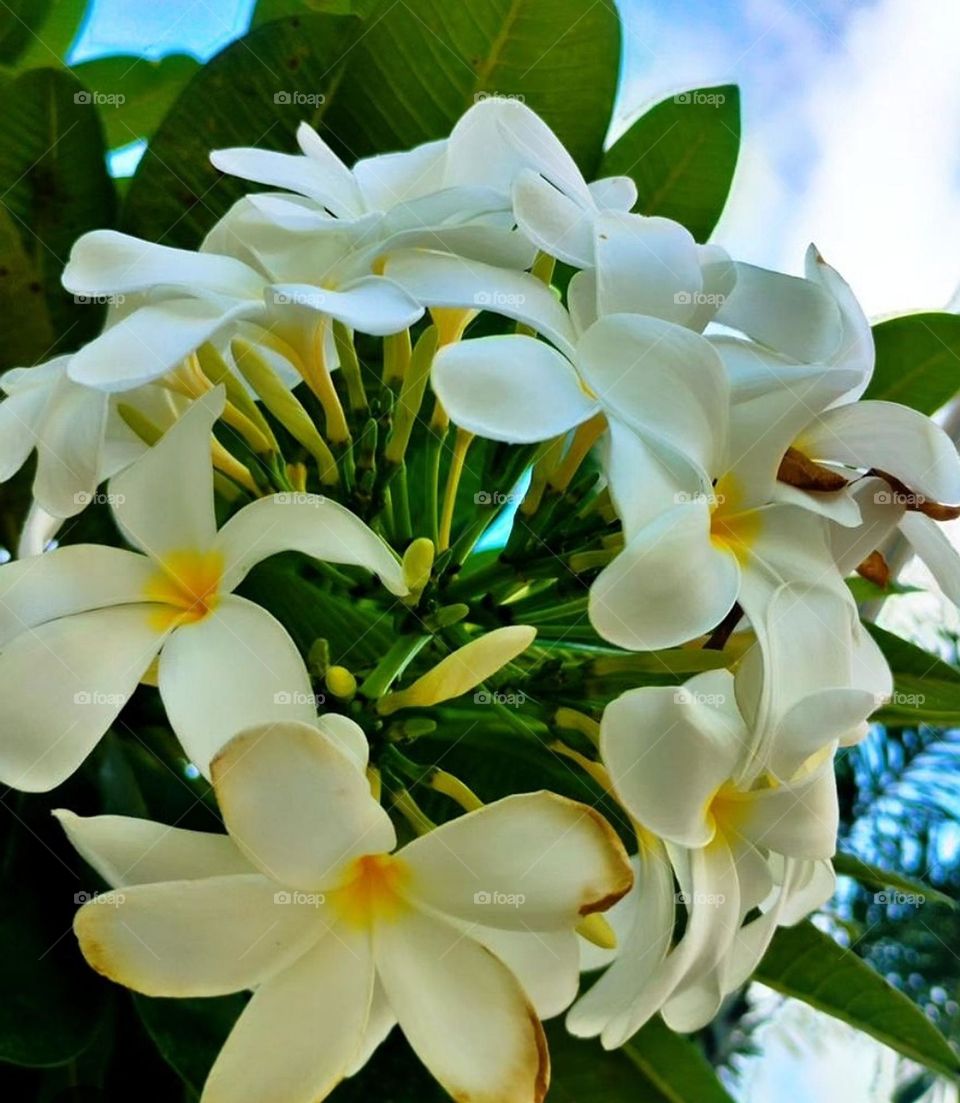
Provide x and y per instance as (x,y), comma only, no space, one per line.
(433,59)
(682,154)
(21,297)
(255,92)
(926,689)
(134,93)
(55,186)
(57,24)
(849,865)
(809,965)
(918,360)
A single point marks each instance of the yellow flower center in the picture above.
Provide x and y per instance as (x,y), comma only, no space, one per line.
(732,528)
(373,886)
(726,808)
(188,585)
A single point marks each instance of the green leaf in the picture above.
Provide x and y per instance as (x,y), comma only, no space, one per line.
(134,93)
(19,22)
(55,186)
(255,92)
(189,1033)
(50,1003)
(434,59)
(918,360)
(656,1066)
(807,964)
(925,688)
(682,154)
(54,36)
(849,865)
(21,297)
(268,10)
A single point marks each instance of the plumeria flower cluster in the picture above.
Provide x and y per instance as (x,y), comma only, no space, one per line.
(331,375)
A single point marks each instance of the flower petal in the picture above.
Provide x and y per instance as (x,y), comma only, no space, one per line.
(207,937)
(532,861)
(651,737)
(296,1037)
(70,448)
(235,668)
(20,414)
(308,523)
(614,193)
(163,502)
(546,963)
(61,686)
(798,820)
(668,585)
(555,223)
(296,804)
(487,1047)
(510,388)
(933,546)
(129,851)
(370,304)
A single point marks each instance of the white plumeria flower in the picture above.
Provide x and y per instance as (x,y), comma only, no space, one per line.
(65,422)
(849,438)
(180,299)
(81,625)
(464,936)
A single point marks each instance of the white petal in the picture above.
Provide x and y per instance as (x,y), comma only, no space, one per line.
(792,316)
(546,963)
(104,261)
(892,438)
(129,851)
(392,178)
(669,584)
(19,416)
(207,937)
(61,686)
(555,223)
(437,280)
(529,862)
(665,381)
(39,528)
(380,1022)
(70,448)
(163,502)
(72,579)
(669,749)
(646,266)
(296,805)
(153,339)
(510,388)
(347,735)
(372,304)
(933,546)
(296,1037)
(880,513)
(614,193)
(799,820)
(235,668)
(462,1011)
(856,351)
(307,523)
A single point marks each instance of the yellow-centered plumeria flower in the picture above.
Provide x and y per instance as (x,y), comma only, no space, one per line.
(81,625)
(465,936)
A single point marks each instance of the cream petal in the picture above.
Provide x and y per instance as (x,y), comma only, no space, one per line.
(297,805)
(933,546)
(546,963)
(235,668)
(61,686)
(651,738)
(669,584)
(799,820)
(129,851)
(613,193)
(70,447)
(163,502)
(20,414)
(370,304)
(488,1048)
(856,352)
(511,388)
(380,1022)
(555,223)
(308,523)
(296,1037)
(391,178)
(534,862)
(207,937)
